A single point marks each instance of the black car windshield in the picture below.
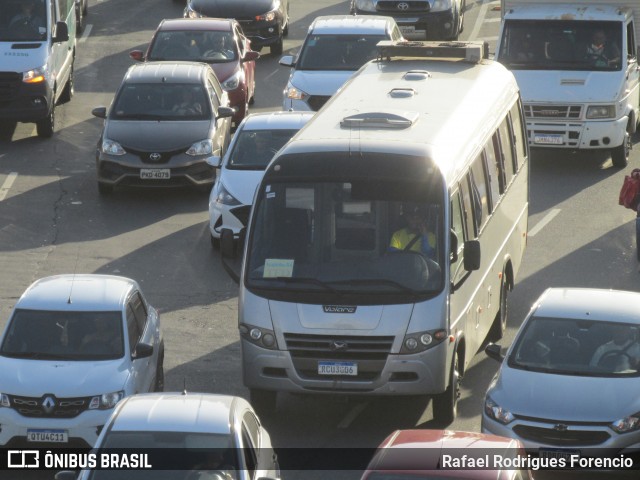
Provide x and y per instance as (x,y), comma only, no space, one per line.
(578,347)
(194,46)
(206,454)
(23,20)
(161,101)
(355,237)
(64,335)
(253,149)
(337,52)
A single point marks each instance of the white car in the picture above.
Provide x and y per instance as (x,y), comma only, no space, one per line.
(213,437)
(335,47)
(75,346)
(258,138)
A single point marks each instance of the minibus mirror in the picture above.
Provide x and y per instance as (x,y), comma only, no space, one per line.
(454,247)
(62,33)
(471,255)
(494,351)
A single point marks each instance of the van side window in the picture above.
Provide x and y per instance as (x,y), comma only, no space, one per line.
(631,40)
(519,135)
(507,149)
(479,192)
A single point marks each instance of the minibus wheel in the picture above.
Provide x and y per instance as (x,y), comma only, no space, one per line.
(499,326)
(445,405)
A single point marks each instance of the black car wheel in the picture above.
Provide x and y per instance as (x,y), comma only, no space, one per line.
(276,48)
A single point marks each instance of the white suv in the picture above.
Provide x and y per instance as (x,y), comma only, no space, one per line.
(74,347)
(335,47)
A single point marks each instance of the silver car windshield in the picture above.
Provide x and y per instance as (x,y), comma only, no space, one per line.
(339,236)
(53,335)
(578,347)
(338,52)
(23,20)
(254,149)
(194,46)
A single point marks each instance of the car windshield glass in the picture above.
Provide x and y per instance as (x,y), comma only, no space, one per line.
(194,46)
(253,149)
(561,45)
(23,20)
(578,347)
(355,237)
(161,101)
(337,52)
(44,335)
(207,454)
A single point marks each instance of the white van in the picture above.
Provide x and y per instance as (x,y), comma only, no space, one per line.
(37,52)
(339,292)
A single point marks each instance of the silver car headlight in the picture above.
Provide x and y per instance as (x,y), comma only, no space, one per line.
(294,93)
(202,147)
(233,81)
(601,111)
(106,400)
(225,198)
(37,75)
(627,424)
(441,5)
(498,413)
(366,5)
(4,400)
(111,147)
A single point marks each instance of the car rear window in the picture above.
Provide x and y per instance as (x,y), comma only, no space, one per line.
(194,46)
(254,149)
(338,52)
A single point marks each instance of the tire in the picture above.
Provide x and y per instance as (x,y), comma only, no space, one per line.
(69,89)
(620,154)
(499,326)
(445,405)
(85,9)
(215,242)
(159,384)
(45,126)
(7,129)
(80,21)
(105,189)
(276,48)
(463,7)
(263,401)
(285,30)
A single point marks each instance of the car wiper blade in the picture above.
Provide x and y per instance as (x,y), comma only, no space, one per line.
(306,280)
(140,116)
(377,281)
(34,355)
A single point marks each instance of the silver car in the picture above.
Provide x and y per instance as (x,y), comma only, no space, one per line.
(569,383)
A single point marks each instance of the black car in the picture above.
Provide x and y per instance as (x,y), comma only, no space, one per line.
(264,22)
(167,126)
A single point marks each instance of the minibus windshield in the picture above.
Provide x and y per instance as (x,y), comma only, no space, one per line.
(358,237)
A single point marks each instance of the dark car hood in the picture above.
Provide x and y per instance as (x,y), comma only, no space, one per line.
(156,136)
(232,8)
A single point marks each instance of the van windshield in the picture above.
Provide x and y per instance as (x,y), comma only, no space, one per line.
(354,237)
(23,20)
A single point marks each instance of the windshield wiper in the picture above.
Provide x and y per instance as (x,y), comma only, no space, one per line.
(36,355)
(139,116)
(377,281)
(307,280)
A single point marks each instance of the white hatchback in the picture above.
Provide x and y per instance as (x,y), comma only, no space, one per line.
(254,144)
(75,346)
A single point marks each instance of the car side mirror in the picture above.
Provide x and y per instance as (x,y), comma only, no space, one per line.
(250,55)
(62,32)
(287,61)
(65,475)
(494,351)
(143,350)
(225,112)
(215,161)
(137,55)
(100,112)
(471,255)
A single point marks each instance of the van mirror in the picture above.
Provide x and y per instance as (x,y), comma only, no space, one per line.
(287,61)
(494,351)
(62,33)
(453,256)
(471,255)
(224,112)
(137,55)
(250,56)
(100,112)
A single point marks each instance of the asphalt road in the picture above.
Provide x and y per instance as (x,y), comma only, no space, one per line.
(52,221)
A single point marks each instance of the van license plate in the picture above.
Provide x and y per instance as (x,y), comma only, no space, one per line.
(338,368)
(155,173)
(50,436)
(548,139)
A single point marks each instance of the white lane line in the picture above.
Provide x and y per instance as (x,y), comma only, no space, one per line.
(87,32)
(480,20)
(272,74)
(490,20)
(4,189)
(542,223)
(351,416)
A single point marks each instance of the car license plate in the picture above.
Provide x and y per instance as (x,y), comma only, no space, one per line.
(155,173)
(338,368)
(411,30)
(548,139)
(557,453)
(51,436)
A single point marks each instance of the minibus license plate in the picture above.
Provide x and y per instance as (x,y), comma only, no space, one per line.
(558,453)
(51,436)
(155,173)
(548,139)
(338,368)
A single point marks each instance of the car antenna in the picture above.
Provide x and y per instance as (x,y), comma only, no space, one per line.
(184,387)
(73,279)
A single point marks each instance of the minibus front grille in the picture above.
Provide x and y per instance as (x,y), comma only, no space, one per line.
(9,85)
(552,111)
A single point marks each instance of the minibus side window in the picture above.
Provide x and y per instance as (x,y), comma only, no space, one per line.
(507,149)
(494,168)
(457,227)
(519,136)
(479,195)
(469,219)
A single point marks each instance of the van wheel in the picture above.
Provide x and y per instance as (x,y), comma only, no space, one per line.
(69,89)
(80,20)
(263,401)
(445,405)
(159,386)
(276,48)
(499,326)
(45,126)
(7,128)
(620,155)
(463,7)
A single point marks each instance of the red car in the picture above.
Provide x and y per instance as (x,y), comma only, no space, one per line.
(432,454)
(216,41)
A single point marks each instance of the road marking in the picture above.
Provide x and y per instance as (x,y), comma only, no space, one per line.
(480,20)
(7,184)
(272,74)
(87,32)
(489,20)
(351,416)
(542,223)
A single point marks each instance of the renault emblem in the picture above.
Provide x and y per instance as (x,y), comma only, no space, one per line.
(403,6)
(48,404)
(155,157)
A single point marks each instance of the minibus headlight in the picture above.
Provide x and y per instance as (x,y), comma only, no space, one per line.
(496,412)
(421,341)
(441,5)
(601,111)
(262,337)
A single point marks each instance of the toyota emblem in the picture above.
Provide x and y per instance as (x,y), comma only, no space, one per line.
(155,157)
(403,6)
(48,404)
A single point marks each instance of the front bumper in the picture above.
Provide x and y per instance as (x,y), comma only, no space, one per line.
(421,25)
(224,216)
(577,135)
(22,102)
(262,34)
